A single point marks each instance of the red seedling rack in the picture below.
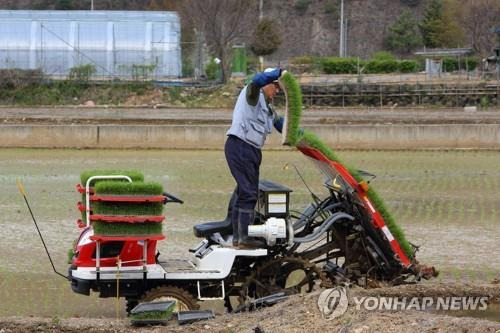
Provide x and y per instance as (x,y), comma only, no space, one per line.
(127,219)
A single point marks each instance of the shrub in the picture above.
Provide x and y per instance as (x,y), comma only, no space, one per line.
(252,64)
(408,66)
(187,67)
(211,70)
(472,63)
(451,64)
(306,64)
(381,66)
(383,56)
(141,72)
(339,65)
(82,73)
(302,60)
(16,78)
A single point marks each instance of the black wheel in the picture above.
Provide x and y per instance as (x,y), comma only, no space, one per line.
(185,301)
(289,274)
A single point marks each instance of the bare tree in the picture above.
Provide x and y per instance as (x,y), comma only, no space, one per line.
(479,17)
(223,23)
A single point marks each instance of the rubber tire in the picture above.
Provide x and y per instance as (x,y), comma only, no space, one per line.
(169,291)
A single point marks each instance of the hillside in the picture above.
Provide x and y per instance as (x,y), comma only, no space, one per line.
(317,30)
(312,27)
(308,26)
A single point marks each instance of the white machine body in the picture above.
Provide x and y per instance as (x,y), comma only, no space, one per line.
(273,229)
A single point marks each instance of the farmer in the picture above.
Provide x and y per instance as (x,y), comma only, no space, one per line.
(253,119)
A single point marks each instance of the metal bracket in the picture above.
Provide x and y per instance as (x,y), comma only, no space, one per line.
(211,298)
(87,192)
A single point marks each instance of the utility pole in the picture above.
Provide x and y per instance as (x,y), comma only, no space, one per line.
(341,39)
(346,22)
(261,16)
(91,4)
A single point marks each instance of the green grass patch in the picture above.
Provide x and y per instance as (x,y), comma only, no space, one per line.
(123,188)
(294,96)
(129,229)
(153,315)
(127,209)
(310,139)
(136,176)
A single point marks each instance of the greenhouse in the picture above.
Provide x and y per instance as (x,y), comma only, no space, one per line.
(113,44)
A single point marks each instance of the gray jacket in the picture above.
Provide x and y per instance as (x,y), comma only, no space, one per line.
(250,123)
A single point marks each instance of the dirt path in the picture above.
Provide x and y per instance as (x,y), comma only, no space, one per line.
(299,314)
(80,115)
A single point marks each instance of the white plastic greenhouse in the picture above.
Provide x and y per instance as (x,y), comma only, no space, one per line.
(116,43)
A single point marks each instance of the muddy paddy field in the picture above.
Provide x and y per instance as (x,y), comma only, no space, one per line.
(446,201)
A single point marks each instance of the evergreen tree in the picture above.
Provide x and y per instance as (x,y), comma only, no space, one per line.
(266,38)
(439,27)
(431,25)
(404,35)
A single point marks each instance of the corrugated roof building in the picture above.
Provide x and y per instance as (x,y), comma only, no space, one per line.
(116,43)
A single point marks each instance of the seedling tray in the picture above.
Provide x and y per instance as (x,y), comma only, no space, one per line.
(154,313)
(186,317)
(126,238)
(128,198)
(127,219)
(124,228)
(134,175)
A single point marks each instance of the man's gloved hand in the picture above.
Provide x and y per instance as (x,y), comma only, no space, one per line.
(267,76)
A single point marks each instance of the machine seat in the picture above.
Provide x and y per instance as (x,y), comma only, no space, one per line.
(206,229)
(224,227)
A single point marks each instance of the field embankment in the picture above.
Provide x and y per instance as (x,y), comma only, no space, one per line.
(205,128)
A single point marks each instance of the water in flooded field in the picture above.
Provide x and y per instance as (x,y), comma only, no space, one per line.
(447,202)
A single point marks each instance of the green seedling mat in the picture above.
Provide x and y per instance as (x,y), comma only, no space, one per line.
(127,229)
(155,313)
(127,209)
(134,175)
(122,188)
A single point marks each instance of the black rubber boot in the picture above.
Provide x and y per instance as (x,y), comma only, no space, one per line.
(234,222)
(245,218)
